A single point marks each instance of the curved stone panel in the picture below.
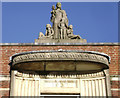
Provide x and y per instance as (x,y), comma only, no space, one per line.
(60,61)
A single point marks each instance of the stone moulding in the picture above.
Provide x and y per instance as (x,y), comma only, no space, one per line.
(60,44)
(59,58)
(64,56)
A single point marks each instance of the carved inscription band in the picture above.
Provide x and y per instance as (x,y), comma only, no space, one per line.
(56,56)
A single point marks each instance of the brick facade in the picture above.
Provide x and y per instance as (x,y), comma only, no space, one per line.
(111,49)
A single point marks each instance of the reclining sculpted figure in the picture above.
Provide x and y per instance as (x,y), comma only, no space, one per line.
(70,33)
(49,31)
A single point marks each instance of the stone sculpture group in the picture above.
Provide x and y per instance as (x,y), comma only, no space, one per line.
(60,28)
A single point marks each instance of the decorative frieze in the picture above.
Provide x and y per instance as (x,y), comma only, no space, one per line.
(55,56)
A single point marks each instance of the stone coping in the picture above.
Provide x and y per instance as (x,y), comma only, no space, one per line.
(59,44)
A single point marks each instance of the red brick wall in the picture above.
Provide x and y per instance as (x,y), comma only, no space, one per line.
(112,50)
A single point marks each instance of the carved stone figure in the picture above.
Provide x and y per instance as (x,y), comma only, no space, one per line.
(60,32)
(49,31)
(56,18)
(41,35)
(70,33)
(62,26)
(53,13)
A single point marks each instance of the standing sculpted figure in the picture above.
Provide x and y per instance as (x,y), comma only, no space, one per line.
(62,27)
(56,18)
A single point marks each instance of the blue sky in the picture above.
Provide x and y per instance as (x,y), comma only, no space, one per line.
(94,21)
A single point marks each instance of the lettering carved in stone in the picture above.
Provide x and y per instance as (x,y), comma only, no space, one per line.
(61,83)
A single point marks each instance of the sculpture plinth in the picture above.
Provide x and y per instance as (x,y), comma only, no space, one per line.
(60,31)
(48,40)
